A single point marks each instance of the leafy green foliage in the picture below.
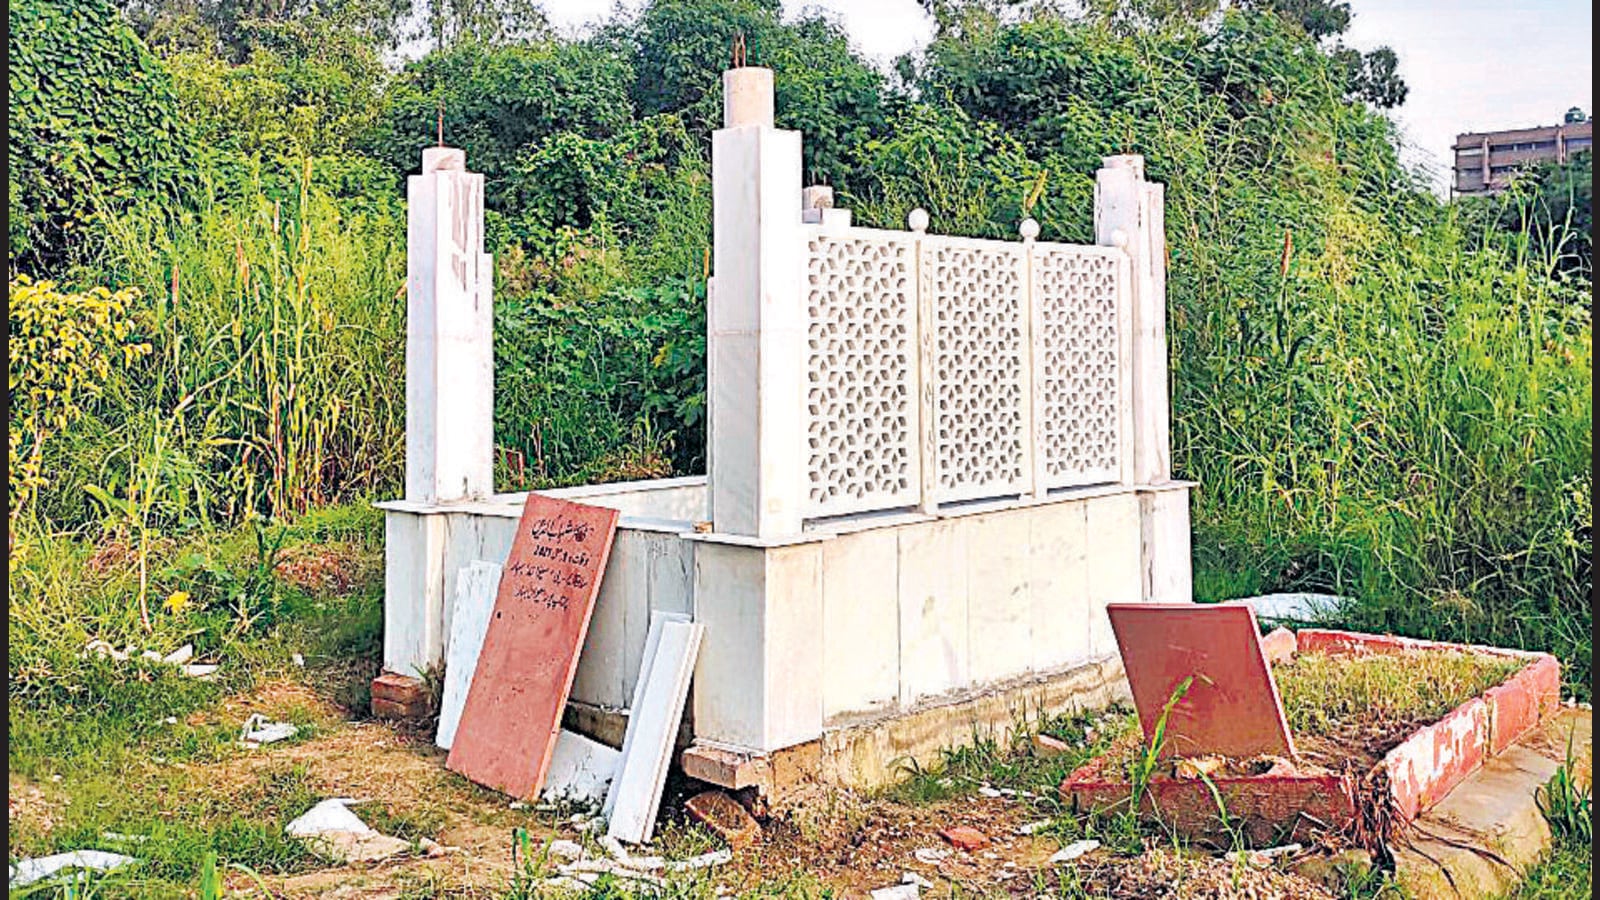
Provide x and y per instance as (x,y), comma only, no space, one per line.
(311,97)
(575,380)
(499,102)
(93,125)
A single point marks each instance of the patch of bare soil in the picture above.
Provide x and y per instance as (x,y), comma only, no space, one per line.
(1158,874)
(327,568)
(31,807)
(853,845)
(400,781)
(837,839)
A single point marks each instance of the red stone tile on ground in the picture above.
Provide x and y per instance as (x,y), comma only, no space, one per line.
(1231,708)
(541,613)
(965,837)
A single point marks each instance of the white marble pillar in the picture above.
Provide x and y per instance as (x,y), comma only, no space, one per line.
(755,323)
(449,334)
(1128,213)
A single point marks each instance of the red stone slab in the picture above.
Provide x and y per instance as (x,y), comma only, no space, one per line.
(1232,707)
(512,713)
(1267,809)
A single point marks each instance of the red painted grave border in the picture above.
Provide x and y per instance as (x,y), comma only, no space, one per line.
(1421,770)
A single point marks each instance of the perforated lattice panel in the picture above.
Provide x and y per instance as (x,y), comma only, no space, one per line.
(861,403)
(976,292)
(1077,365)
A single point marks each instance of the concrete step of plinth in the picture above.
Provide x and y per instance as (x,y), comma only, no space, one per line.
(1481,839)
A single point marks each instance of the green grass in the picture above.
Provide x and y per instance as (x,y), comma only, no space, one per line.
(1323,692)
(113,745)
(1568,874)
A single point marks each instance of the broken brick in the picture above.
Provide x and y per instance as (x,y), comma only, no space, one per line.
(1278,645)
(725,816)
(1045,746)
(965,837)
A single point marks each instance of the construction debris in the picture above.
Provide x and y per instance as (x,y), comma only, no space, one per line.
(1045,746)
(179,657)
(1074,850)
(897,892)
(965,837)
(703,861)
(28,871)
(671,645)
(258,730)
(1262,859)
(930,855)
(1198,766)
(332,830)
(1031,827)
(580,770)
(725,816)
(565,849)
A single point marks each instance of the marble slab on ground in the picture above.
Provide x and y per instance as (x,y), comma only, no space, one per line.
(542,609)
(1231,708)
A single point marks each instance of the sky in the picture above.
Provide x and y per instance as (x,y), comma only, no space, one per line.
(1471,65)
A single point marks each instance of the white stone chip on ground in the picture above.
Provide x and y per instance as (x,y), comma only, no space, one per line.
(1074,850)
(930,855)
(580,770)
(334,831)
(27,871)
(703,861)
(565,849)
(329,815)
(989,792)
(259,730)
(1031,827)
(897,892)
(914,878)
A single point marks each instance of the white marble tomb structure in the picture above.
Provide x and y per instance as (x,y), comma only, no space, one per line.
(932,462)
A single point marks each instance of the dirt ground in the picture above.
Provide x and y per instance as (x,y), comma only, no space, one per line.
(826,840)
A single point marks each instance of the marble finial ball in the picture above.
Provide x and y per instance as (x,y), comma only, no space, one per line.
(1029,229)
(918,220)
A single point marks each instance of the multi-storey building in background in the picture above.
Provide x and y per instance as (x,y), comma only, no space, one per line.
(1486,161)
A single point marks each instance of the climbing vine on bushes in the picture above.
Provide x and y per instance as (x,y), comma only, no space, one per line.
(93,124)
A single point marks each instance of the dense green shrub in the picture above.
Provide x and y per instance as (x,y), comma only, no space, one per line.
(93,127)
(499,102)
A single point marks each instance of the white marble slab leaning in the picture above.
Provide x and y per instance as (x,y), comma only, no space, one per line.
(476,586)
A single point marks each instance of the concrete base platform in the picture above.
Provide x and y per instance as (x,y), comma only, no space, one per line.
(876,752)
(1481,839)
